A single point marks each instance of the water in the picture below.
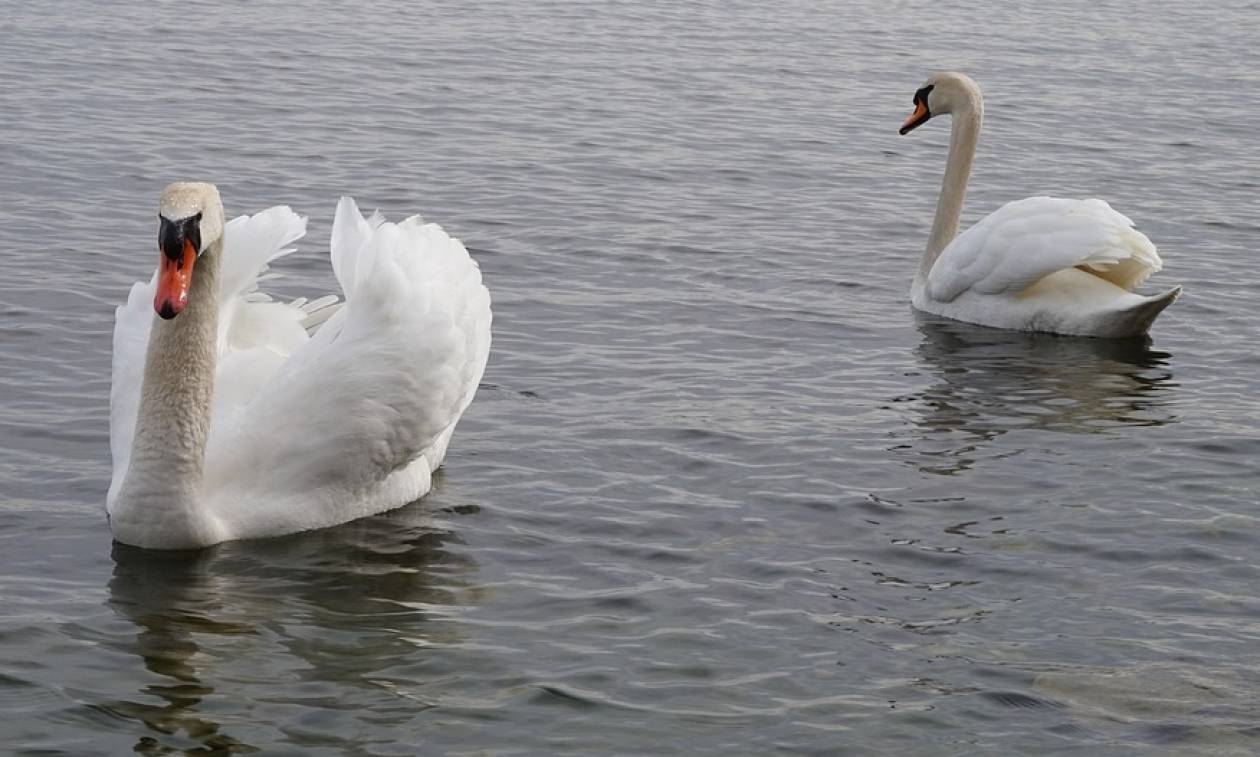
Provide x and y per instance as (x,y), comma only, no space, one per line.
(721,491)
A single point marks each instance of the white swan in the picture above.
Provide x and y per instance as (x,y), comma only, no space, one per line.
(1039,264)
(227,421)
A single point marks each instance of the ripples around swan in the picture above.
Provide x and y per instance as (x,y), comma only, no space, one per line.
(341,616)
(722,492)
(986,383)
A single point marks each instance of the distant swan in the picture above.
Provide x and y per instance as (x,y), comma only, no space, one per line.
(228,421)
(1038,264)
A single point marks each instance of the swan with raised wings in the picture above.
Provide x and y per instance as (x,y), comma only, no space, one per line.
(1038,264)
(234,416)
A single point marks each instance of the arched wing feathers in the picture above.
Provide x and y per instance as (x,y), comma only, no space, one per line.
(1026,240)
(381,380)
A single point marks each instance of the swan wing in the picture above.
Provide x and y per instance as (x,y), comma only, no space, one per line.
(1026,240)
(377,386)
(132,322)
(256,333)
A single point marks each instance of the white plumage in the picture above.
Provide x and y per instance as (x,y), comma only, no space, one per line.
(1024,241)
(305,431)
(1039,264)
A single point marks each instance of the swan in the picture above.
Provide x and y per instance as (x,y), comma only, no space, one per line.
(1038,264)
(234,416)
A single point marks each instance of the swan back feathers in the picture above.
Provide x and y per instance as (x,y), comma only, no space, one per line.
(1025,240)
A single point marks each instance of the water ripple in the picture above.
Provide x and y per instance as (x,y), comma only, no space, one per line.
(722,491)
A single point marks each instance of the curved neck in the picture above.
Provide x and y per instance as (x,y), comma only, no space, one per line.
(964,133)
(161,493)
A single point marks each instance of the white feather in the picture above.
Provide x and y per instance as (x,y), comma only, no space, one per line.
(1024,241)
(311,430)
(1038,264)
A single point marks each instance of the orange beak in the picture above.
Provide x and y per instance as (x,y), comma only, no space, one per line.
(174,280)
(917,118)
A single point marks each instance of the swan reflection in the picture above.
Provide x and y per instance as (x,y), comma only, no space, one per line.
(987,382)
(327,608)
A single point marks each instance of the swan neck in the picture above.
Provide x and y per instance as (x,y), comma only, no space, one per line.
(161,492)
(963,136)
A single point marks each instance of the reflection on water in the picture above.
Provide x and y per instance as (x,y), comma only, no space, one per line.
(988,382)
(1191,708)
(332,608)
(171,598)
(699,228)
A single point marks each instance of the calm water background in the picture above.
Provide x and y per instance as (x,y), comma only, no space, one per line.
(721,492)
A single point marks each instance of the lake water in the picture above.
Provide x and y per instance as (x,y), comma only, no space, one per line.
(721,491)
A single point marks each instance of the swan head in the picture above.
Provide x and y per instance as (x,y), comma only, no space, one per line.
(190,217)
(946,92)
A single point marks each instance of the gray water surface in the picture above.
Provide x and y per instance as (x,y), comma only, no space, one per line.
(721,491)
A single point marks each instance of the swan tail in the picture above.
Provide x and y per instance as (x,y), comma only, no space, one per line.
(1136,320)
(1155,305)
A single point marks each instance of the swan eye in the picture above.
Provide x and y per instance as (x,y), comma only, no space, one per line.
(921,95)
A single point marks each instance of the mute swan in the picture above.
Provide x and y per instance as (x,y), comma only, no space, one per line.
(1038,264)
(227,421)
